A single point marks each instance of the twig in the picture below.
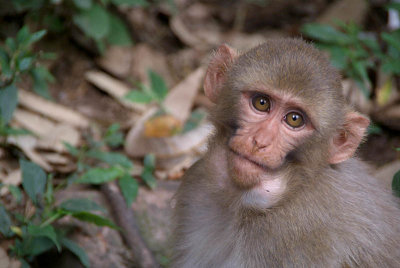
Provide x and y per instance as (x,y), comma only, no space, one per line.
(130,232)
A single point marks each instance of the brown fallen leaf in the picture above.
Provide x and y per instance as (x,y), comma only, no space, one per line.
(345,10)
(162,126)
(355,97)
(51,110)
(27,144)
(51,135)
(114,87)
(138,145)
(179,100)
(117,60)
(145,58)
(13,178)
(6,261)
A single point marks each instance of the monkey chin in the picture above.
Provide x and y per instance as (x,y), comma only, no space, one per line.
(246,173)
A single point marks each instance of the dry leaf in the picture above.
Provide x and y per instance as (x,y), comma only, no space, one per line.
(117,60)
(27,144)
(137,145)
(51,135)
(179,100)
(345,10)
(115,88)
(51,110)
(145,58)
(6,261)
(55,159)
(14,178)
(355,97)
(162,126)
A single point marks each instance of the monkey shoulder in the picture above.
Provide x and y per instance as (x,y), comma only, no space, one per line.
(363,209)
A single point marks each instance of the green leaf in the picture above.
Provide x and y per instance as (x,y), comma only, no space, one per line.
(158,85)
(194,120)
(396,183)
(138,96)
(113,137)
(36,36)
(25,63)
(111,158)
(325,33)
(49,195)
(392,39)
(374,129)
(8,102)
(394,5)
(149,179)
(23,36)
(129,188)
(33,179)
(8,131)
(83,4)
(40,77)
(100,175)
(5,222)
(5,64)
(76,250)
(94,22)
(93,218)
(54,23)
(361,77)
(16,192)
(391,66)
(71,149)
(133,3)
(10,43)
(119,34)
(149,162)
(33,246)
(45,231)
(80,205)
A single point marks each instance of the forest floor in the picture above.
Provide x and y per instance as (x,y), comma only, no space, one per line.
(176,43)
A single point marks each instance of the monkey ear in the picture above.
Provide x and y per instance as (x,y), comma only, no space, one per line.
(216,71)
(345,142)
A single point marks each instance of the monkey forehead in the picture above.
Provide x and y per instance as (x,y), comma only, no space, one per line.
(293,67)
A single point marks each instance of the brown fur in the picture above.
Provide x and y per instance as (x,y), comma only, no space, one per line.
(329,215)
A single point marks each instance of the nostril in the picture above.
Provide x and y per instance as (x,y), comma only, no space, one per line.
(258,144)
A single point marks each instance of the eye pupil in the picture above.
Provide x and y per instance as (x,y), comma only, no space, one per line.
(294,119)
(261,103)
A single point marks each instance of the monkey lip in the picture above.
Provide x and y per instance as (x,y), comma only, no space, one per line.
(246,158)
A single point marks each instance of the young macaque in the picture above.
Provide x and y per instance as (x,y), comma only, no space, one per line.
(279,186)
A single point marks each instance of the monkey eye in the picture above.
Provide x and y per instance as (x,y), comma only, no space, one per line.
(261,103)
(294,119)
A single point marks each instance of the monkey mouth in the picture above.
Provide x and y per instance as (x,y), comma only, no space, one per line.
(246,158)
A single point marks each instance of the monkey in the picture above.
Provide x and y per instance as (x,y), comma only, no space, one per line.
(279,185)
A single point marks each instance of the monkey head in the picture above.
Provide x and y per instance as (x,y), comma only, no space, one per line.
(280,103)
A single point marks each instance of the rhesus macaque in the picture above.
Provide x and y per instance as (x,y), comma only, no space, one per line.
(279,186)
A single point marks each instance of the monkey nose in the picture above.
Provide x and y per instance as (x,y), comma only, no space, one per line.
(258,145)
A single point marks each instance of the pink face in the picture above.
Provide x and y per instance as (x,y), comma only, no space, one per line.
(271,125)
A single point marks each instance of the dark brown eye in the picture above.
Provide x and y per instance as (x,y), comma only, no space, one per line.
(261,103)
(294,119)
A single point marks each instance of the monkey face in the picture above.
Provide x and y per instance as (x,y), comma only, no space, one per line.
(271,125)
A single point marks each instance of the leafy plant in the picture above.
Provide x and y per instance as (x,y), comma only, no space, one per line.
(16,60)
(149,163)
(97,166)
(36,234)
(351,50)
(155,93)
(93,18)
